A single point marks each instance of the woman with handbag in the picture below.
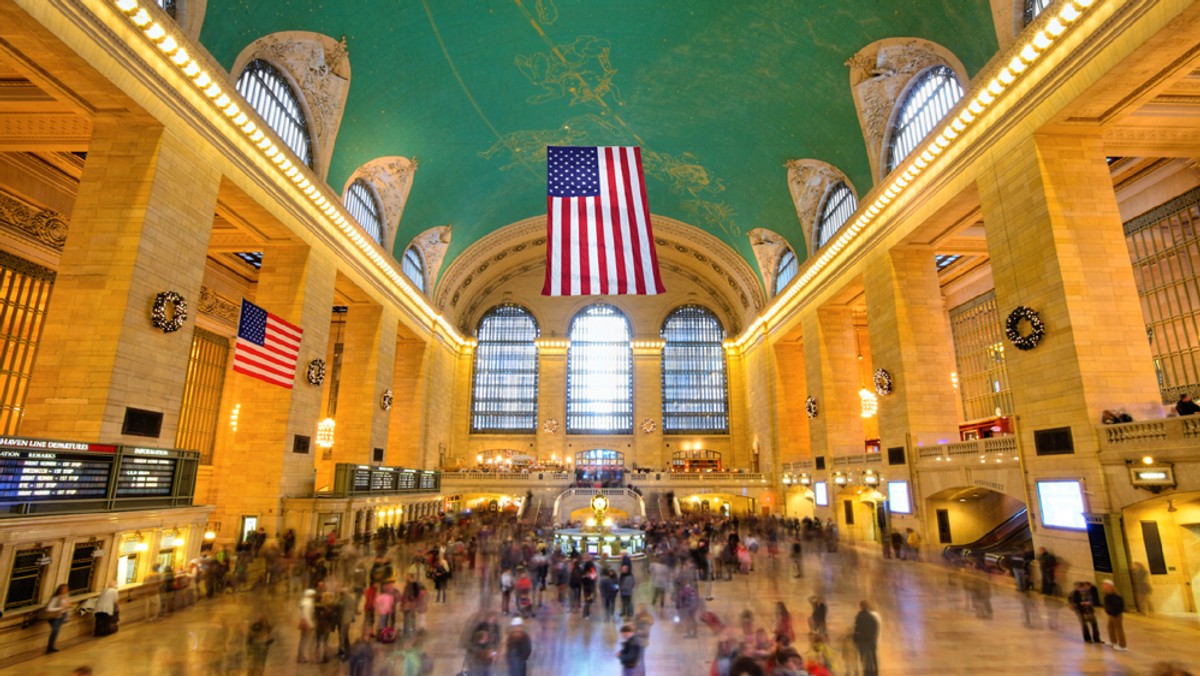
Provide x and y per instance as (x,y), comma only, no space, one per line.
(56,614)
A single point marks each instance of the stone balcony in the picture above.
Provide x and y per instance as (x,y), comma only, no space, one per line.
(1165,439)
(993,450)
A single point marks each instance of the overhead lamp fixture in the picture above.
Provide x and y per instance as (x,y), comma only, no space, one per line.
(870,478)
(325,433)
(840,478)
(805,479)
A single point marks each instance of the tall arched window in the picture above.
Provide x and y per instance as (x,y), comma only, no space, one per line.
(600,372)
(840,205)
(268,92)
(505,390)
(364,207)
(1035,7)
(413,267)
(933,95)
(786,270)
(695,394)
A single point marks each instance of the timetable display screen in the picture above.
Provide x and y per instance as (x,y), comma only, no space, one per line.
(29,476)
(141,476)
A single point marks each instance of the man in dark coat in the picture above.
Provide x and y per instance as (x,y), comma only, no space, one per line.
(866,638)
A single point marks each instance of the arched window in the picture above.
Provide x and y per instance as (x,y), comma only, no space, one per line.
(928,100)
(413,267)
(364,207)
(505,391)
(170,7)
(600,372)
(1033,8)
(786,270)
(268,92)
(695,396)
(840,205)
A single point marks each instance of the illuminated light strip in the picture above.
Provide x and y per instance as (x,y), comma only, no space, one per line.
(206,85)
(984,97)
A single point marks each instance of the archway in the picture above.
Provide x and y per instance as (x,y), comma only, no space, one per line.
(1163,539)
(977,526)
(603,466)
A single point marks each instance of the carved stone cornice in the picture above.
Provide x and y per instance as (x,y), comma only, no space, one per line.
(42,226)
(880,74)
(218,307)
(45,131)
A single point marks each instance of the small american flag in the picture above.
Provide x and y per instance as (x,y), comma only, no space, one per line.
(267,346)
(598,225)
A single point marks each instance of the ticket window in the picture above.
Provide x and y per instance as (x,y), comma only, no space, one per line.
(166,559)
(127,565)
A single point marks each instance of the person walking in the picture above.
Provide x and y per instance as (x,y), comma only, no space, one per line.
(307,625)
(1114,607)
(258,642)
(816,621)
(56,613)
(517,649)
(866,638)
(797,558)
(1048,564)
(631,653)
(1083,600)
(609,588)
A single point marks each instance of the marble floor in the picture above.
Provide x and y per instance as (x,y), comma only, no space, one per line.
(927,628)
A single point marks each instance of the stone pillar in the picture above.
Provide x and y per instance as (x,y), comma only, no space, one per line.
(260,465)
(368,350)
(552,398)
(791,389)
(1057,246)
(140,226)
(908,330)
(831,372)
(408,387)
(648,448)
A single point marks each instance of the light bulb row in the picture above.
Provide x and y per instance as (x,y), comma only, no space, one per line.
(985,95)
(226,102)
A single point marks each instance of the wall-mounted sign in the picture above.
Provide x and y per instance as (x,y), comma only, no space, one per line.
(1154,477)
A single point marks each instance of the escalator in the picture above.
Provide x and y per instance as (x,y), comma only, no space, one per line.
(994,551)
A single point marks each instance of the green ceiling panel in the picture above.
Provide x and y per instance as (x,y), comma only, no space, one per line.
(718,94)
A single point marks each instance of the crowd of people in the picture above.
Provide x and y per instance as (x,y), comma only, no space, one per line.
(365,602)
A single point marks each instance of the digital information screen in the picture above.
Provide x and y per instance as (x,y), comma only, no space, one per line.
(898,500)
(821,493)
(146,472)
(1062,504)
(28,476)
(383,480)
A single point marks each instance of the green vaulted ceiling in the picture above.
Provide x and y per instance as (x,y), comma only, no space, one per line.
(718,94)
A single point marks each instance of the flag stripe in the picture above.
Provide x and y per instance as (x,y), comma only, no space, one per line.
(598,223)
(267,346)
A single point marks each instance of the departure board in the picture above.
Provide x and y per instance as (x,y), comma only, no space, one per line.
(362,479)
(143,475)
(408,480)
(383,479)
(29,476)
(429,480)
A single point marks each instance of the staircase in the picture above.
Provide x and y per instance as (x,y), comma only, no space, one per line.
(658,507)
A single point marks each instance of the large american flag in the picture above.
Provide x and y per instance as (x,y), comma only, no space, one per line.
(598,228)
(267,347)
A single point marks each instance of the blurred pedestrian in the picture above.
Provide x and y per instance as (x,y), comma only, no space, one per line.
(517,649)
(866,638)
(1114,607)
(1083,601)
(631,653)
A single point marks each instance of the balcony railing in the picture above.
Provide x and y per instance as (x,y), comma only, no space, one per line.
(507,477)
(698,477)
(993,449)
(857,459)
(1162,434)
